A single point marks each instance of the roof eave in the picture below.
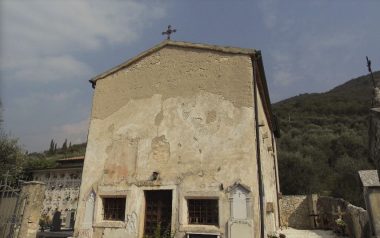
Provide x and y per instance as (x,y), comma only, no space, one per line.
(267,102)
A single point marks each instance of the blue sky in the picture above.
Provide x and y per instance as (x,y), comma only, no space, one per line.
(50,49)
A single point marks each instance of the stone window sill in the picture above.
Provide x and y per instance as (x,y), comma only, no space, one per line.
(110,224)
(203,228)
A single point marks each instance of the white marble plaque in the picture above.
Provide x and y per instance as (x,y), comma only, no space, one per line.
(239,204)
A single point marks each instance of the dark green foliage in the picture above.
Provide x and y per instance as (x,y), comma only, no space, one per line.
(324,140)
(47,159)
(1,114)
(11,157)
(52,147)
(40,161)
(64,145)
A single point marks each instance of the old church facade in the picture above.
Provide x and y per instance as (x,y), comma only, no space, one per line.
(181,142)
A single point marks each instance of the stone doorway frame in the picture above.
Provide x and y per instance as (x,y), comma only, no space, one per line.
(175,204)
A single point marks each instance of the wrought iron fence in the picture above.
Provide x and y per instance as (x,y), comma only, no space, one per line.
(11,208)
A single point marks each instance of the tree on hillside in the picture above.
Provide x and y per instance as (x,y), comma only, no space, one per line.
(11,156)
(51,147)
(324,141)
(64,146)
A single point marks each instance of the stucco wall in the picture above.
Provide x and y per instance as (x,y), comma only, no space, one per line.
(184,113)
(172,72)
(268,157)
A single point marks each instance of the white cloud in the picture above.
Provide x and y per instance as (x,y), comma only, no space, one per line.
(34,99)
(44,63)
(269,12)
(282,69)
(39,38)
(49,68)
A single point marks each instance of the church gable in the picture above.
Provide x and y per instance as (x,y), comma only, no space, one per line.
(173,71)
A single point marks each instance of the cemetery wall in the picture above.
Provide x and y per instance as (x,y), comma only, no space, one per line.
(62,191)
(355,218)
(296,211)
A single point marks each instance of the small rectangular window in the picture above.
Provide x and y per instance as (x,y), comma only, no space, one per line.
(203,211)
(114,208)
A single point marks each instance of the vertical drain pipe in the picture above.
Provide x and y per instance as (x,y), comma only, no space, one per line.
(277,180)
(258,158)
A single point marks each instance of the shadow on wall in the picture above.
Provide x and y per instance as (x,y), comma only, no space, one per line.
(295,212)
(300,217)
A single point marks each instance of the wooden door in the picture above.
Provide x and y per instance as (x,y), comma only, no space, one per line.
(158,212)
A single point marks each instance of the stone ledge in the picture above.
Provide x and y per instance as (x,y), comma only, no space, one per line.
(110,224)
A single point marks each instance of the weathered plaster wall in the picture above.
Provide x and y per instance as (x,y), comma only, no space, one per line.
(268,157)
(184,113)
(172,72)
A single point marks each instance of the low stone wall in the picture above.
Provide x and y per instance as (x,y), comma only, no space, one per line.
(295,212)
(30,205)
(359,221)
(355,218)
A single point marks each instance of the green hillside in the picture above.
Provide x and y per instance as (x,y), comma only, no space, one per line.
(48,158)
(324,140)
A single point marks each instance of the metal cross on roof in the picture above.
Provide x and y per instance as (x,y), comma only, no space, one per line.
(169,31)
(369,64)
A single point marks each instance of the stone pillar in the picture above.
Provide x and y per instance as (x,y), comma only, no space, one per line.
(30,205)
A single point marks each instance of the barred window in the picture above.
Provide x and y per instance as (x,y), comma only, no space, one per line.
(114,208)
(203,211)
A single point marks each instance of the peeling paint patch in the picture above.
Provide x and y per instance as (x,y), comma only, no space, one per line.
(121,160)
(160,148)
(211,116)
(159,118)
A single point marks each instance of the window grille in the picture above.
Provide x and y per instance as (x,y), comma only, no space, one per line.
(114,209)
(203,211)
